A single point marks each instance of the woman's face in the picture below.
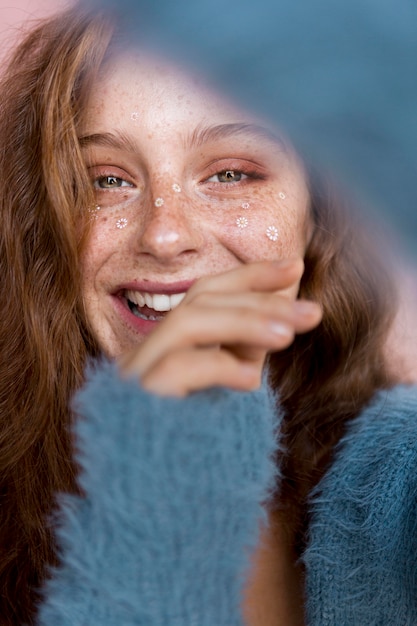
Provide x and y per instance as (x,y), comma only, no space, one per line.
(186,185)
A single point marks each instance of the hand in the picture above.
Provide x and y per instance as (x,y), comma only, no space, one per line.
(222,331)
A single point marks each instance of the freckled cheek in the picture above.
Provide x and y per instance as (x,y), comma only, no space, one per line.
(260,231)
(110,224)
(103,241)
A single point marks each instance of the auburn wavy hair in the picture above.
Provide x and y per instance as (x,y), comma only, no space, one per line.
(328,375)
(324,378)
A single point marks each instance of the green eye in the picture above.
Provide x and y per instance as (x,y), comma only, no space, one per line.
(229,176)
(110,182)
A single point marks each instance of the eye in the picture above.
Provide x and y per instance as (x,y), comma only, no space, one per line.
(110,182)
(227,176)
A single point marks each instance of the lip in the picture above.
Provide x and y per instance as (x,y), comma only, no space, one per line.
(138,325)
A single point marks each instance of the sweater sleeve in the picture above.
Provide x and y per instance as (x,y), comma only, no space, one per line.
(173,500)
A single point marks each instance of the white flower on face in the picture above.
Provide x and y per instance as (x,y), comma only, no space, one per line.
(282,195)
(245,205)
(241,222)
(134,116)
(272,233)
(122,223)
(176,188)
(159,202)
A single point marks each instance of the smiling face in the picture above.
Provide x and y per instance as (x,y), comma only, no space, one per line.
(186,186)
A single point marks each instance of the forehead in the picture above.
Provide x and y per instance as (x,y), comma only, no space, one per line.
(146,105)
(152,92)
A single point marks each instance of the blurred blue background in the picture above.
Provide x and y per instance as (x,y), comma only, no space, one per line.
(340,77)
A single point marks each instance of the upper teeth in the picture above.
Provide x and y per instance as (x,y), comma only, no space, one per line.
(156,301)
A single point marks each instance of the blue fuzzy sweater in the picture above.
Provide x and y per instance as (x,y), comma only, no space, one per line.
(174,497)
(362,555)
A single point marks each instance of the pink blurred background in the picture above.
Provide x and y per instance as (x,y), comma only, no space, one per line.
(15,13)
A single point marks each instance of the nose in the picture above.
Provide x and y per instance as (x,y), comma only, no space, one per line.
(169,229)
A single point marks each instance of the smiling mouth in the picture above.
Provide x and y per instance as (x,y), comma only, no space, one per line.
(152,307)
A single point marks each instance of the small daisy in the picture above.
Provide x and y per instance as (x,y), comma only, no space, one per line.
(241,222)
(159,202)
(122,223)
(272,233)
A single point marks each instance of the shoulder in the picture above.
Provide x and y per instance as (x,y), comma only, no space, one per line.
(376,460)
(391,413)
(383,437)
(361,557)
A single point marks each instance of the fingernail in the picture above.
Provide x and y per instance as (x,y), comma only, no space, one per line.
(280,329)
(304,307)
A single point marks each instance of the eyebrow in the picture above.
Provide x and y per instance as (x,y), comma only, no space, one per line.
(118,140)
(200,136)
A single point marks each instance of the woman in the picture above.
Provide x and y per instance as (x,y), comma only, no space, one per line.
(150,224)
